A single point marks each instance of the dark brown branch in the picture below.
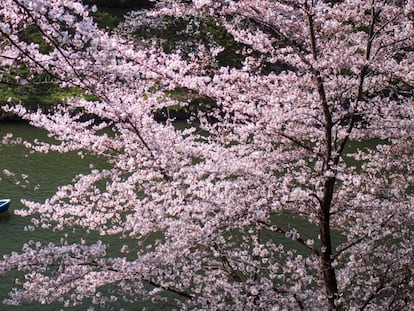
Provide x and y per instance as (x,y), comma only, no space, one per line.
(362,75)
(350,246)
(311,31)
(299,143)
(277,229)
(169,289)
(148,281)
(58,48)
(299,302)
(279,34)
(49,39)
(146,146)
(26,54)
(227,265)
(339,252)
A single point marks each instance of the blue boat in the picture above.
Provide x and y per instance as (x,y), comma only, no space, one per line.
(4,205)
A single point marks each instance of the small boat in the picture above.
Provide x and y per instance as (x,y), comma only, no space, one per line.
(4,205)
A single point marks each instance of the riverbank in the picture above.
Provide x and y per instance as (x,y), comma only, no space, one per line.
(41,92)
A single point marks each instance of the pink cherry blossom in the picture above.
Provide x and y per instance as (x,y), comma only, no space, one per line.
(203,204)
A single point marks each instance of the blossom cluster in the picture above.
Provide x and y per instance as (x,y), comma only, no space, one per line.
(286,136)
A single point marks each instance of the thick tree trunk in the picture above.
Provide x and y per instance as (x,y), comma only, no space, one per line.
(326,265)
(326,251)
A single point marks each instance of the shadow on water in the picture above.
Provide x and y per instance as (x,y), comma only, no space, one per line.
(5,216)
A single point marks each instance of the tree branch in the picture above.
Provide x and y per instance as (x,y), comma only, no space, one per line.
(362,75)
(274,228)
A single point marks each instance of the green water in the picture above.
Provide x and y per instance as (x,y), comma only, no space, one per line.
(46,172)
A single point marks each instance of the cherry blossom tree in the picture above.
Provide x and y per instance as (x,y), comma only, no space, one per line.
(316,124)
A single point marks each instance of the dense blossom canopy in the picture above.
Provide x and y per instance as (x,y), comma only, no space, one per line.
(272,137)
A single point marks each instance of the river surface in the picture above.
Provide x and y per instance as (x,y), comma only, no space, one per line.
(45,173)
